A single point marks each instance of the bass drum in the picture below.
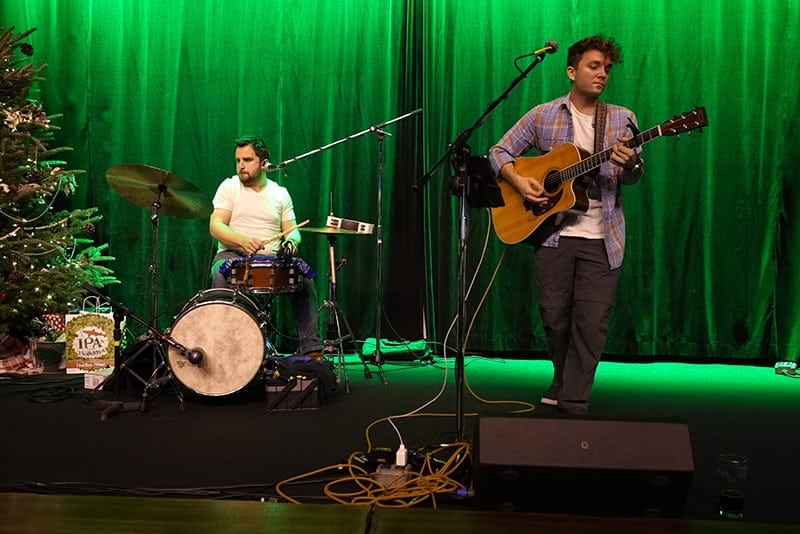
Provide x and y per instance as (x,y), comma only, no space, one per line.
(223,324)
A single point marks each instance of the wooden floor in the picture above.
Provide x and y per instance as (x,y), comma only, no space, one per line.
(64,514)
(228,464)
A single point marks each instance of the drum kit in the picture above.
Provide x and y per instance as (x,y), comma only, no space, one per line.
(206,360)
(210,363)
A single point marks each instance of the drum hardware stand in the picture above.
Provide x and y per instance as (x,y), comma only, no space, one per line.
(263,300)
(180,199)
(334,340)
(470,180)
(161,374)
(154,338)
(381,133)
(265,320)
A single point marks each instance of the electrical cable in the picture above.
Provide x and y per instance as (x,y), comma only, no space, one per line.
(407,489)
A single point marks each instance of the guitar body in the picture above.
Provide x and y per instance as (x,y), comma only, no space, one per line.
(562,172)
(518,219)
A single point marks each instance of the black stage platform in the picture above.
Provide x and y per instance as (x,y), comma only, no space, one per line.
(233,448)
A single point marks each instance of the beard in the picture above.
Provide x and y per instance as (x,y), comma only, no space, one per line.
(247,178)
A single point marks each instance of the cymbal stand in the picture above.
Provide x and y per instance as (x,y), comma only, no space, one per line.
(161,373)
(334,339)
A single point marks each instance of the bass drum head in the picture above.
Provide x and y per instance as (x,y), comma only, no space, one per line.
(230,338)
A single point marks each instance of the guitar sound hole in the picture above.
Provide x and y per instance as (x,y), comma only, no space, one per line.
(551,182)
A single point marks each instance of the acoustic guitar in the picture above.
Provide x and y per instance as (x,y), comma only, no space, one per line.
(559,171)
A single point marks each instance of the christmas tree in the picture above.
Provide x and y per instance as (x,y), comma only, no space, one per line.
(47,254)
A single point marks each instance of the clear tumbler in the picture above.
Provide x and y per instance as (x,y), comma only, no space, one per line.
(732,472)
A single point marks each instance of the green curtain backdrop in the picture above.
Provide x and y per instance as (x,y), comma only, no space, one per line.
(172,84)
(710,268)
(707,268)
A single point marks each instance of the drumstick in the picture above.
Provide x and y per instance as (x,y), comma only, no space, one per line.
(284,233)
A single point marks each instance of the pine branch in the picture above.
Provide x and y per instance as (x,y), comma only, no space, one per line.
(46,257)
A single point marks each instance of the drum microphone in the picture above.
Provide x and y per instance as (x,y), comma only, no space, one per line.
(284,250)
(195,356)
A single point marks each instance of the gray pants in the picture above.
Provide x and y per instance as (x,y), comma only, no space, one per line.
(304,305)
(576,290)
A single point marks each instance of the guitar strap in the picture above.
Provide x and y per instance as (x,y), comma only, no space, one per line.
(600,112)
(599,126)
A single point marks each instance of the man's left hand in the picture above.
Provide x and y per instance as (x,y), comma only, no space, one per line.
(624,156)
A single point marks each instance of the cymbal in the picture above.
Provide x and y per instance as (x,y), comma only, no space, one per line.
(330,231)
(140,184)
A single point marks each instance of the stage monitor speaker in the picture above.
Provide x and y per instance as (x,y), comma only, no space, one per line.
(583,466)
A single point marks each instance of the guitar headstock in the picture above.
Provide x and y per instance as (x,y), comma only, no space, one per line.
(685,122)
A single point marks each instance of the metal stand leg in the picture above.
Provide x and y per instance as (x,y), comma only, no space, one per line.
(333,345)
(264,317)
(334,342)
(161,373)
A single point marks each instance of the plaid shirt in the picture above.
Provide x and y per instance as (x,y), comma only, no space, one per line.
(549,125)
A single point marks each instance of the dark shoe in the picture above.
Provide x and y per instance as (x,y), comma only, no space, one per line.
(574,408)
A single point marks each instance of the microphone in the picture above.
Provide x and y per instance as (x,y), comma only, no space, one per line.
(285,250)
(195,356)
(551,47)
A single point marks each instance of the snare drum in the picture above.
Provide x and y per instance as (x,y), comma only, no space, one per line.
(265,274)
(224,325)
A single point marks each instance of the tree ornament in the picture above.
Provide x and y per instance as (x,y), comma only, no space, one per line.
(16,277)
(43,254)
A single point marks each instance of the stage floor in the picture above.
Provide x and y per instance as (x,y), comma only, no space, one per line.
(233,449)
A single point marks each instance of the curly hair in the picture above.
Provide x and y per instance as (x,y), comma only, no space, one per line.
(258,144)
(596,42)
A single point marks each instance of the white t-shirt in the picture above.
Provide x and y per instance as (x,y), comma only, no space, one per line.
(255,213)
(589,224)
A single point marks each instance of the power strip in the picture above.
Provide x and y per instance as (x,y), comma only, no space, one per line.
(785,368)
(391,475)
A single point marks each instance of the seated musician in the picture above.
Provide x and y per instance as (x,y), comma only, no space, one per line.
(250,210)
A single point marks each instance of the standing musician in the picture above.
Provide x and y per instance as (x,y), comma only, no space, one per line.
(249,211)
(578,257)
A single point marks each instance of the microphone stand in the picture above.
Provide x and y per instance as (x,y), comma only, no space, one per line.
(461,159)
(121,311)
(351,137)
(380,132)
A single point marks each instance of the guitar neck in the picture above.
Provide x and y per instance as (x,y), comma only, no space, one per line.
(595,160)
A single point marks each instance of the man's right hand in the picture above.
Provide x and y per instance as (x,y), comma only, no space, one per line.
(250,245)
(530,189)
